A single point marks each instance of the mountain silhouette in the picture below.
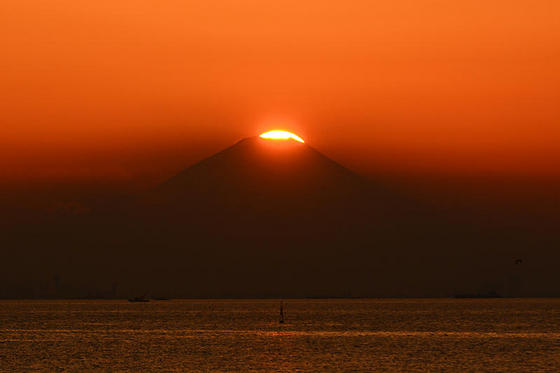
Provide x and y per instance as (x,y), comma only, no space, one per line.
(275,188)
(264,218)
(270,217)
(283,177)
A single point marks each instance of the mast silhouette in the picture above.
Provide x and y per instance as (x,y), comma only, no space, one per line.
(281,321)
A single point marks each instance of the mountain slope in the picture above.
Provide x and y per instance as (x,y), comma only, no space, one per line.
(276,178)
(259,219)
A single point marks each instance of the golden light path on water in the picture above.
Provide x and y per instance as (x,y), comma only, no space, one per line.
(361,335)
(281,135)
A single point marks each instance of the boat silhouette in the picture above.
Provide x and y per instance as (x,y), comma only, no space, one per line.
(489,294)
(139,299)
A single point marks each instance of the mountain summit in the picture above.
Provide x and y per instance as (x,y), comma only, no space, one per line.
(264,209)
(262,218)
(271,171)
(267,182)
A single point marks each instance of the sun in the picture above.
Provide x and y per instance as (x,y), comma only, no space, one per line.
(280,135)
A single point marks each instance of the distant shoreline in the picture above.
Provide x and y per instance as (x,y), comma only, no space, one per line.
(124,299)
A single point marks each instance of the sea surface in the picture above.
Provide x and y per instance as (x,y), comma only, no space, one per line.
(396,335)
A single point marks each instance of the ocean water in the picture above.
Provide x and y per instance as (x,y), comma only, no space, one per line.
(398,335)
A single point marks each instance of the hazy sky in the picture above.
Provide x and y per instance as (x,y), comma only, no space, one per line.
(126,89)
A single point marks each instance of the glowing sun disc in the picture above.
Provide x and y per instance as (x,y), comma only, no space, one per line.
(280,135)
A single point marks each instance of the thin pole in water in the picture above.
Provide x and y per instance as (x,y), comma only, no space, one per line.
(281,312)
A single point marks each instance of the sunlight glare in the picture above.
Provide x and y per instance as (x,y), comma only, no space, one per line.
(280,135)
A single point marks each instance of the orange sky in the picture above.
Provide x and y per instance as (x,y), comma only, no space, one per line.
(125,89)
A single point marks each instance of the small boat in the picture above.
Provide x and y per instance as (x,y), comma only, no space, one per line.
(489,294)
(139,299)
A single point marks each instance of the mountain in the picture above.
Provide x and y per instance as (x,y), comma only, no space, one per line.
(270,218)
(265,180)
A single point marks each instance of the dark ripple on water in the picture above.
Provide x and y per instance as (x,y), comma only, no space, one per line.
(486,335)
